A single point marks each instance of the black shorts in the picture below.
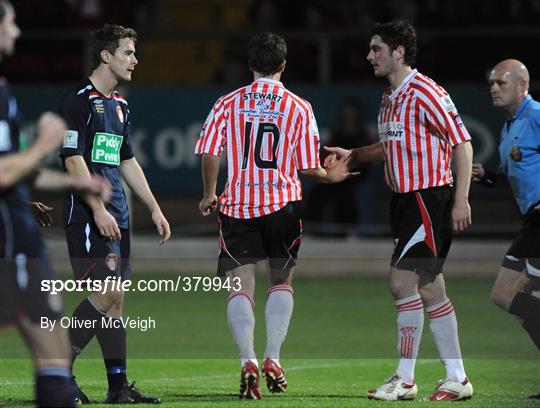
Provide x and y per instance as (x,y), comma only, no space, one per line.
(421,224)
(24,264)
(94,257)
(524,253)
(275,237)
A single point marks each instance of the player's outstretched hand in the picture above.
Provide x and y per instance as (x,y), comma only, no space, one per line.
(208,205)
(41,214)
(107,225)
(461,215)
(338,169)
(51,129)
(162,225)
(335,153)
(477,172)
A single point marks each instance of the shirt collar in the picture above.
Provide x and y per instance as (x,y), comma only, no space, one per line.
(522,107)
(404,82)
(270,81)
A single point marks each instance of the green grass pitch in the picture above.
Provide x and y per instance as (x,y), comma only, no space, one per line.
(342,341)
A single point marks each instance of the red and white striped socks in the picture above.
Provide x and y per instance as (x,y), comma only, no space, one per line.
(443,325)
(278,311)
(242,324)
(410,323)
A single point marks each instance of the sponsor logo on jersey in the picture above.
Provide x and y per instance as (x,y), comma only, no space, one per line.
(106,148)
(111,260)
(120,113)
(391,131)
(98,105)
(515,153)
(71,139)
(265,96)
(5,137)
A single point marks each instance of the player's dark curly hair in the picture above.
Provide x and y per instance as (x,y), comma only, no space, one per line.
(4,4)
(396,33)
(266,53)
(107,38)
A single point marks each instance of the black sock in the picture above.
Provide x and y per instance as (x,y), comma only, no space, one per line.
(81,336)
(54,387)
(528,308)
(112,340)
(533,328)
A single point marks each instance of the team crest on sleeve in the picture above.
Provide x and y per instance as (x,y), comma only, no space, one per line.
(206,122)
(448,104)
(71,138)
(120,113)
(314,127)
(5,137)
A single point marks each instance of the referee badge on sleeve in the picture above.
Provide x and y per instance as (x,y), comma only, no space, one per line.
(515,154)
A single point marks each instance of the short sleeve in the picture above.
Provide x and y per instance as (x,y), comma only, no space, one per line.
(212,137)
(453,127)
(307,148)
(77,114)
(126,151)
(536,127)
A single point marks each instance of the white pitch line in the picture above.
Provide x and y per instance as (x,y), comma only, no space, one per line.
(300,367)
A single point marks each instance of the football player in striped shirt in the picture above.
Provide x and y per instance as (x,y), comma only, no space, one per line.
(269,135)
(419,131)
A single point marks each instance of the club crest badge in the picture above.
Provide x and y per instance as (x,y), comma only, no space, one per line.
(515,154)
(111,260)
(120,113)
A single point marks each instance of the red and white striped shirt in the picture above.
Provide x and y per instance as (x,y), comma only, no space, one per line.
(269,133)
(418,125)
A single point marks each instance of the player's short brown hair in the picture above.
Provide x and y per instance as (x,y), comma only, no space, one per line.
(396,33)
(107,38)
(266,53)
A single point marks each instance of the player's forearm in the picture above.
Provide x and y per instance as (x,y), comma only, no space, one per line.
(463,154)
(134,176)
(210,171)
(319,175)
(52,180)
(76,167)
(369,153)
(14,167)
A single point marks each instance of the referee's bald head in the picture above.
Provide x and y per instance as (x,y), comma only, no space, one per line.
(516,70)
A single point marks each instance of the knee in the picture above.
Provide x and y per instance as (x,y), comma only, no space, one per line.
(432,295)
(280,277)
(400,290)
(501,297)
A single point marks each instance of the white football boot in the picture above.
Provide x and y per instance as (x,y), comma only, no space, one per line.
(449,390)
(394,389)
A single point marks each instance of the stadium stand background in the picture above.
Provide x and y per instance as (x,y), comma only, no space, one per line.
(191,51)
